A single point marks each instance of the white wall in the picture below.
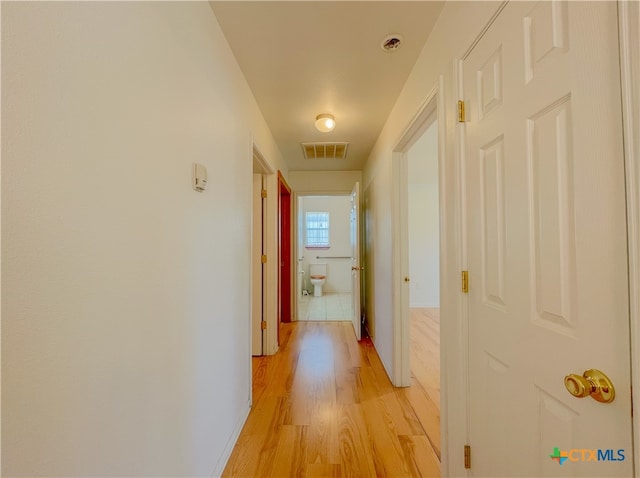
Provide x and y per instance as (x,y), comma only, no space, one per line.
(424,220)
(458,25)
(323,181)
(338,270)
(125,295)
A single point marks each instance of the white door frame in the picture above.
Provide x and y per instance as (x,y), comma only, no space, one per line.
(431,110)
(629,32)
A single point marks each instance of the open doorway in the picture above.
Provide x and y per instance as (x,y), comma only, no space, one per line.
(423,221)
(324,276)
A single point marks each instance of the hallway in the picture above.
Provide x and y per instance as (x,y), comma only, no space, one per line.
(323,406)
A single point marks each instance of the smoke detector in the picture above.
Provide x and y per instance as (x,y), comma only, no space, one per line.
(391,42)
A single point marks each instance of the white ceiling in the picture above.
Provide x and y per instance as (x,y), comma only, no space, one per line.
(305,58)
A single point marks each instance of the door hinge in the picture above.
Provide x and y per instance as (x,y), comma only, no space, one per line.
(467,457)
(263,259)
(263,193)
(465,282)
(263,325)
(461,117)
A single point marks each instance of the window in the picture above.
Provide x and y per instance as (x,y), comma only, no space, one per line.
(317,229)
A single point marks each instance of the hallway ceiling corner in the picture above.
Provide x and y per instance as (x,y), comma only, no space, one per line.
(304,58)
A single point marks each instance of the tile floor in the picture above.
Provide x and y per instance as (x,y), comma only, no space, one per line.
(331,306)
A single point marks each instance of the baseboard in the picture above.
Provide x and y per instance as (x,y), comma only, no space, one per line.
(222,461)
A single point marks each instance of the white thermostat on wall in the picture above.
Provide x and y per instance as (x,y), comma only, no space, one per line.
(199,177)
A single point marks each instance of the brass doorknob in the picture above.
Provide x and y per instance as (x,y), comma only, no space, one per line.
(406,279)
(592,383)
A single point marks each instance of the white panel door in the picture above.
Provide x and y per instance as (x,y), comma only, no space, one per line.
(355,259)
(256,268)
(546,242)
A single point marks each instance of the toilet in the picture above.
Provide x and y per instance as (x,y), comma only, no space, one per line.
(318,275)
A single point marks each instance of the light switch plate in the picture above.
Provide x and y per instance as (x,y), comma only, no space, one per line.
(199,177)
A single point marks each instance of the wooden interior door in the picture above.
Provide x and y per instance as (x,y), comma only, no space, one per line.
(546,242)
(284,251)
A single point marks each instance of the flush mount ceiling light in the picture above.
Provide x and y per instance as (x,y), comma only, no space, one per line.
(325,123)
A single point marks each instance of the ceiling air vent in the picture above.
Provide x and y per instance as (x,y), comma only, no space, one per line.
(325,150)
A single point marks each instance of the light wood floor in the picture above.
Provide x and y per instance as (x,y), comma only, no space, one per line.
(323,406)
(425,352)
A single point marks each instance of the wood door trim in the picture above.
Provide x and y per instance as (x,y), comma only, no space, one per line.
(283,182)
